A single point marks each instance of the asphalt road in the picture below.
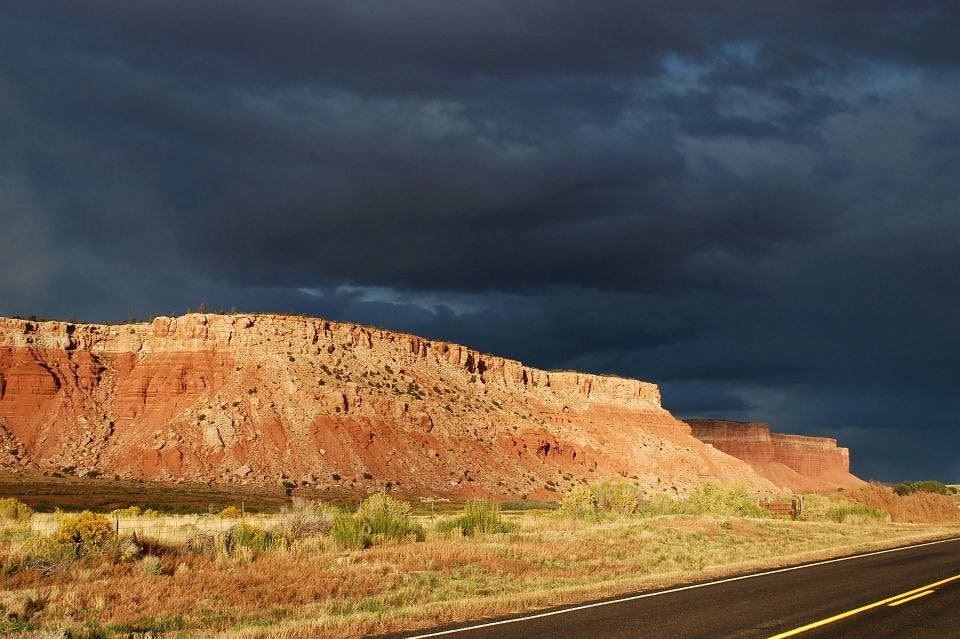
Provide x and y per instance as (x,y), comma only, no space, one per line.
(847,598)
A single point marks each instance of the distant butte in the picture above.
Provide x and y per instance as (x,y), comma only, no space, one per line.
(261,399)
(793,461)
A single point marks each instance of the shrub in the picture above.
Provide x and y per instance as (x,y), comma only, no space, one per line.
(231,512)
(202,543)
(926,486)
(307,519)
(86,531)
(150,565)
(347,531)
(129,550)
(857,514)
(45,554)
(661,504)
(479,516)
(713,499)
(606,499)
(817,507)
(250,537)
(579,503)
(388,518)
(379,518)
(13,510)
(617,498)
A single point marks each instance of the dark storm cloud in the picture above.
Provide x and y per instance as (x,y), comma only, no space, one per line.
(752,203)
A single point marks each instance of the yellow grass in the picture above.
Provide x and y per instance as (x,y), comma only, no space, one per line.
(313,589)
(170,529)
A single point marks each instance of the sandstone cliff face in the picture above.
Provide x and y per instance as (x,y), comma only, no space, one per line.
(262,398)
(793,462)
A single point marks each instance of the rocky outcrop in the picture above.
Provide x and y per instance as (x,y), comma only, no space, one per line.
(793,462)
(264,398)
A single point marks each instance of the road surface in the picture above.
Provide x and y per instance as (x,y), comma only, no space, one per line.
(907,592)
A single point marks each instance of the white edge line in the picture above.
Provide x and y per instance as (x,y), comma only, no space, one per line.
(646,595)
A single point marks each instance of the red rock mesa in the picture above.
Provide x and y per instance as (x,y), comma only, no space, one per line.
(265,398)
(789,461)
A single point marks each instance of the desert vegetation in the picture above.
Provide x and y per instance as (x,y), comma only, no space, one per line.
(314,569)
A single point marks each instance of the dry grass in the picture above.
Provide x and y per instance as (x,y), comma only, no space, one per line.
(171,529)
(309,588)
(918,507)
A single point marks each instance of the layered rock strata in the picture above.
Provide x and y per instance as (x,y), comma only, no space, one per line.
(264,398)
(795,462)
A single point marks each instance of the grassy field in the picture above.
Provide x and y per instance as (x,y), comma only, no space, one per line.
(291,575)
(47,492)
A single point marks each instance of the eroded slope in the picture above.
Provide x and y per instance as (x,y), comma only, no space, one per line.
(262,398)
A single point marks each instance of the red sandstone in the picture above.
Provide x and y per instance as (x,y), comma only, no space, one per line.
(789,461)
(263,398)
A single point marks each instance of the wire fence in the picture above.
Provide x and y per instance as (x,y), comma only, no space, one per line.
(164,528)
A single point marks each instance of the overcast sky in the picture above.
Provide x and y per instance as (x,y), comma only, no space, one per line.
(754,204)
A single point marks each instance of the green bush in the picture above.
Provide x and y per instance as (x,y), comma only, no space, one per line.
(857,514)
(479,516)
(86,531)
(379,518)
(247,536)
(660,504)
(604,500)
(926,486)
(579,503)
(617,498)
(713,499)
(817,507)
(348,532)
(388,518)
(14,510)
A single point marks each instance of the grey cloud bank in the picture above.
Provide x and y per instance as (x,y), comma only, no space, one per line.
(754,205)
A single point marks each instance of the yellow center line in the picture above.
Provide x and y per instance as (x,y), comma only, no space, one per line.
(856,611)
(916,596)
